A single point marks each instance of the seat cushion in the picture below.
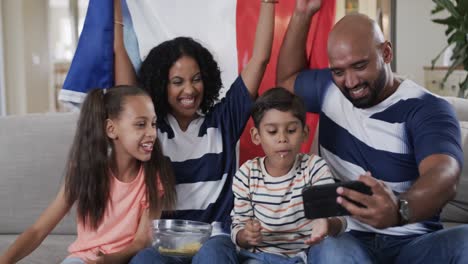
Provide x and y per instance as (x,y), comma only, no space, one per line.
(52,250)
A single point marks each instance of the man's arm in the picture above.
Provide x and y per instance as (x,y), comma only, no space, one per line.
(437,183)
(292,57)
(439,174)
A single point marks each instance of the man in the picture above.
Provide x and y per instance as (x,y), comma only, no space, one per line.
(389,133)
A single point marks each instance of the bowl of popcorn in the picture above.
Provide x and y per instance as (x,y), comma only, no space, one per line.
(181,238)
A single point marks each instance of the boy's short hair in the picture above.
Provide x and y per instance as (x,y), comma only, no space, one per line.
(280,99)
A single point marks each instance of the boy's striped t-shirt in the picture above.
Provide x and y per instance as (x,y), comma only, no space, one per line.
(277,202)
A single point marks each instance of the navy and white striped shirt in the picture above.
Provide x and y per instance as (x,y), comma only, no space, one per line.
(204,159)
(389,139)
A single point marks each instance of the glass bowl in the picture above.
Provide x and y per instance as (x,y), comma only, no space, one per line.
(179,237)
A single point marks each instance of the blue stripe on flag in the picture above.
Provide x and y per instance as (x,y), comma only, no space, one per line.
(93,63)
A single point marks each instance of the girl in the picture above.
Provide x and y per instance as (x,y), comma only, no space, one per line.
(198,136)
(116,176)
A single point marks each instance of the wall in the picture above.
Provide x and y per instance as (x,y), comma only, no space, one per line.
(418,39)
(27,59)
(2,71)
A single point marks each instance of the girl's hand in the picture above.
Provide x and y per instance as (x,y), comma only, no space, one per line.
(320,230)
(99,260)
(308,7)
(251,233)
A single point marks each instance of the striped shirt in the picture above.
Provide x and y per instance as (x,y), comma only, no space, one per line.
(276,202)
(204,159)
(389,139)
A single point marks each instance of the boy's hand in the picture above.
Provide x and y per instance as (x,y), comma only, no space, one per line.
(308,7)
(320,229)
(251,233)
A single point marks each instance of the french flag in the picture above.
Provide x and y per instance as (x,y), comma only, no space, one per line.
(226,28)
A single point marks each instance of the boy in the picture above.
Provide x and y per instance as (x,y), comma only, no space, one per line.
(268,216)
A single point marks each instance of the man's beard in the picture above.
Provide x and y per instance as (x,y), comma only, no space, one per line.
(374,90)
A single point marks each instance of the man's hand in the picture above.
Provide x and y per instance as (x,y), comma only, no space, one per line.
(250,236)
(320,230)
(308,7)
(381,207)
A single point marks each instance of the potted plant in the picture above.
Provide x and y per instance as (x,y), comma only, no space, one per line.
(457,36)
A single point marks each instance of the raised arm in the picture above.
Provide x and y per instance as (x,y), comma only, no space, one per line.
(292,56)
(124,73)
(253,72)
(30,239)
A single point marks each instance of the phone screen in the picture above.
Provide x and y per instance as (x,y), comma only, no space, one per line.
(320,200)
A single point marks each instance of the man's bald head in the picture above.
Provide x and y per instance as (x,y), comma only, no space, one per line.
(355,29)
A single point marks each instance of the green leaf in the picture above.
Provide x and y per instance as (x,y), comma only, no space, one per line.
(449,30)
(451,68)
(451,21)
(433,61)
(437,9)
(462,6)
(456,37)
(447,4)
(464,86)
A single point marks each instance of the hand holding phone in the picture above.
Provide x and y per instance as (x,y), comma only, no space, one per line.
(320,200)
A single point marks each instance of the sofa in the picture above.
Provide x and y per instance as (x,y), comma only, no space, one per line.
(33,152)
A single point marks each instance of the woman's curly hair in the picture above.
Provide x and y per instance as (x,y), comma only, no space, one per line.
(154,72)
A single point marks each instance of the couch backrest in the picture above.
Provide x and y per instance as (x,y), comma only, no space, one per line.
(457,209)
(33,152)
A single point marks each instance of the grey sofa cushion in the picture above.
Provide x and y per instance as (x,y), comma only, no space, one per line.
(457,209)
(33,152)
(52,250)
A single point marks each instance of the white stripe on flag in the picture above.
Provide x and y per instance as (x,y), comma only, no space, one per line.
(211,22)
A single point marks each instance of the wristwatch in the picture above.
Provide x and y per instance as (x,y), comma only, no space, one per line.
(404,212)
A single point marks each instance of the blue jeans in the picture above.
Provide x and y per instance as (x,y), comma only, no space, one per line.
(444,246)
(218,249)
(247,257)
(73,261)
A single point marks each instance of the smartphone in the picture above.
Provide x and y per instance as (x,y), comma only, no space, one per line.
(320,200)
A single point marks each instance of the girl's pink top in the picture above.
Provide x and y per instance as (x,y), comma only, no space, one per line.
(120,222)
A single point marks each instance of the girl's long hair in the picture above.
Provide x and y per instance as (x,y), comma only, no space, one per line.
(87,179)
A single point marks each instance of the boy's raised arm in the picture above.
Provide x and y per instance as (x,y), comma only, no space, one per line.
(292,57)
(253,72)
(124,73)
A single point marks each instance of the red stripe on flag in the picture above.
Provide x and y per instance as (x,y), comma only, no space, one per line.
(246,21)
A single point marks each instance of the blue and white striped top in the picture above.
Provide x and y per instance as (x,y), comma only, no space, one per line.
(389,139)
(204,159)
